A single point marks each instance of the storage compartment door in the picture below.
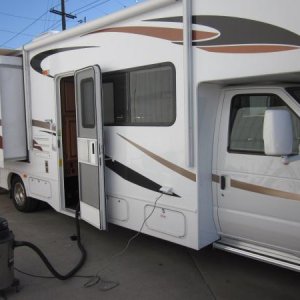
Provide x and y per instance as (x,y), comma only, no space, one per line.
(90,146)
(13,145)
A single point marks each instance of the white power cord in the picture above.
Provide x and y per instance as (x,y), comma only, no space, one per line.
(112,284)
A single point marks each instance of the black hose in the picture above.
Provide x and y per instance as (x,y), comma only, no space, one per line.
(45,259)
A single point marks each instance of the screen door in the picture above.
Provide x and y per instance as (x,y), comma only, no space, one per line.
(90,146)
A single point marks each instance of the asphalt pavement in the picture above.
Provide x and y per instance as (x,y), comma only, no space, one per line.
(150,268)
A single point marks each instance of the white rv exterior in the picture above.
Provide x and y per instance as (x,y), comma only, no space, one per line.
(170,97)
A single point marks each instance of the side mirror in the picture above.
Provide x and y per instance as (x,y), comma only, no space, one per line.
(278,132)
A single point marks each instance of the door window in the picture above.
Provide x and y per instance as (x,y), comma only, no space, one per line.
(246,122)
(87,103)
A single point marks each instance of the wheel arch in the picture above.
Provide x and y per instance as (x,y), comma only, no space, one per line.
(11,176)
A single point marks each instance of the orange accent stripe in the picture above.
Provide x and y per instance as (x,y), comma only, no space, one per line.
(163,161)
(248,48)
(170,34)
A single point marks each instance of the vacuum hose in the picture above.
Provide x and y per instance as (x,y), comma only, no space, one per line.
(46,261)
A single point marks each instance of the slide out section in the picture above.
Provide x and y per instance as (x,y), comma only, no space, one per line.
(13,142)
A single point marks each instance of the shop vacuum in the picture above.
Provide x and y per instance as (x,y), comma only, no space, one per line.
(7,278)
(8,244)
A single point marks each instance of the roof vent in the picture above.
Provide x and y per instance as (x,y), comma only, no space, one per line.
(45,34)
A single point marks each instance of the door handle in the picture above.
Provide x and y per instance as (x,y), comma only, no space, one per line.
(92,151)
(93,148)
(223,182)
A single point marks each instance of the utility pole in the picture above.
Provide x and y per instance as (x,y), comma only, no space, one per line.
(63,14)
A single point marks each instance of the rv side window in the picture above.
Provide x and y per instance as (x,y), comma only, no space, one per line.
(142,96)
(246,122)
(87,103)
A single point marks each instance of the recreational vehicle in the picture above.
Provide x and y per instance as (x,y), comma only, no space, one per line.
(185,110)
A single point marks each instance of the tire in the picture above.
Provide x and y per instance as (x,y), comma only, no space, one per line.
(19,197)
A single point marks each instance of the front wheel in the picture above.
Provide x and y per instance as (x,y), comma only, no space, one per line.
(20,199)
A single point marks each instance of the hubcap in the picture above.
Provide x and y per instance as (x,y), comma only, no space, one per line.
(19,194)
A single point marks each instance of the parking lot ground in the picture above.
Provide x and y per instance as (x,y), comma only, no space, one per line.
(150,268)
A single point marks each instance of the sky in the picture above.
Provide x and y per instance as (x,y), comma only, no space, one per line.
(21,21)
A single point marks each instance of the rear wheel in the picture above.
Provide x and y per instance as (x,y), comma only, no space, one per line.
(20,199)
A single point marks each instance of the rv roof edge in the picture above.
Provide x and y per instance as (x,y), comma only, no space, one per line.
(98,23)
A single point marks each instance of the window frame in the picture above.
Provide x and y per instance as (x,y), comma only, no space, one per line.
(126,72)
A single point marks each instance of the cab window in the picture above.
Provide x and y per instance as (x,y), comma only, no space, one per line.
(246,122)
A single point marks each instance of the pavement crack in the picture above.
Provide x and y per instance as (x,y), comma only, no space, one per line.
(202,276)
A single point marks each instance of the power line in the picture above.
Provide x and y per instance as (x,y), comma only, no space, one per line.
(27,18)
(9,31)
(20,32)
(47,16)
(63,14)
(79,10)
(55,25)
(85,6)
(19,17)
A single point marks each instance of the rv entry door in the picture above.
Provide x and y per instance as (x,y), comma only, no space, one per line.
(90,146)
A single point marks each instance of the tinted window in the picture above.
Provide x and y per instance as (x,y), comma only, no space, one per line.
(143,96)
(246,122)
(87,103)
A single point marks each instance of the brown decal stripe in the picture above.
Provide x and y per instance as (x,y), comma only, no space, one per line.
(42,124)
(163,161)
(258,189)
(248,48)
(1,142)
(215,178)
(170,34)
(263,190)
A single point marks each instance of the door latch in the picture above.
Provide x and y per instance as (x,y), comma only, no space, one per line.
(223,182)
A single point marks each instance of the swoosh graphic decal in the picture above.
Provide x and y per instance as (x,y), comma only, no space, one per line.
(133,176)
(249,187)
(163,161)
(36,145)
(170,34)
(250,35)
(37,60)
